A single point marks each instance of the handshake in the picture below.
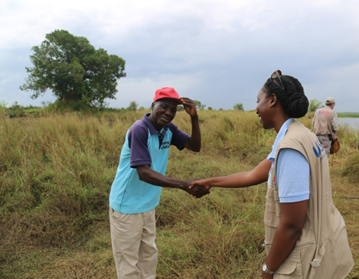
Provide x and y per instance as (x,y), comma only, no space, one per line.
(196,190)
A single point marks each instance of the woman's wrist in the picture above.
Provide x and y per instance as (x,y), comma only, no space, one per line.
(266,269)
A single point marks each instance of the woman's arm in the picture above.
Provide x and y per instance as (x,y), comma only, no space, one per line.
(293,190)
(292,219)
(242,179)
(146,174)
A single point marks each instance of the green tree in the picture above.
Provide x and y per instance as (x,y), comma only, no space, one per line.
(238,107)
(199,105)
(133,106)
(73,70)
(314,105)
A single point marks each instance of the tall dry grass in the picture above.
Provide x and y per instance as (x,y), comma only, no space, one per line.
(55,176)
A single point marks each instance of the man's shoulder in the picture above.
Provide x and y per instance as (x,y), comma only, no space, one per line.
(139,125)
(173,127)
(138,130)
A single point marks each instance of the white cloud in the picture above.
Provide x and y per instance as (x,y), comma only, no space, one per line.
(142,90)
(208,48)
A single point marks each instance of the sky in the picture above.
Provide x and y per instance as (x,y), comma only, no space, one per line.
(219,52)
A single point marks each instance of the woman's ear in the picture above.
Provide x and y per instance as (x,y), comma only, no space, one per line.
(273,100)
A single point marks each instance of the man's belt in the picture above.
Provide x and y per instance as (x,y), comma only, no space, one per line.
(325,135)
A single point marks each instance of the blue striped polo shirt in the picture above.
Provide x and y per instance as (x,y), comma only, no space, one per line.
(144,145)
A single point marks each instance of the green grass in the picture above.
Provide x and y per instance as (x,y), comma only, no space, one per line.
(56,171)
(348,114)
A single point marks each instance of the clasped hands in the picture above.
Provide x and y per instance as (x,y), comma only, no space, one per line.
(196,189)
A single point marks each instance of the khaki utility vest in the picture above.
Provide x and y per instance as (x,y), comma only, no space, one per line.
(322,251)
(322,122)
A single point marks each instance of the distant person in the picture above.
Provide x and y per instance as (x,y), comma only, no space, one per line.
(305,235)
(136,189)
(325,124)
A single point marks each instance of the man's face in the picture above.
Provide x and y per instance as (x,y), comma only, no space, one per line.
(163,112)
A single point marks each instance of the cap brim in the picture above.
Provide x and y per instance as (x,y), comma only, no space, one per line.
(179,101)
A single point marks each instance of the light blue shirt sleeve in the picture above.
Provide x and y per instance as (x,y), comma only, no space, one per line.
(292,176)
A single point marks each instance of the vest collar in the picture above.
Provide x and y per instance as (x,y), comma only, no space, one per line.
(280,136)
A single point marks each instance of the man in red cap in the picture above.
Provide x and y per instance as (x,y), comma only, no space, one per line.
(136,189)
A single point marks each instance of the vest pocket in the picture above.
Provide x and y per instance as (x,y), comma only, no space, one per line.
(270,218)
(289,270)
(272,210)
(292,267)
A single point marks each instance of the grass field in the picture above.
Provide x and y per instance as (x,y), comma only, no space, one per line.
(55,176)
(348,114)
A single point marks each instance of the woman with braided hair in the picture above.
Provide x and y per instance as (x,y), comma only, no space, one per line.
(305,235)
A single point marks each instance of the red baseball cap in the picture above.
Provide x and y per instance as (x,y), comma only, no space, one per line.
(167,92)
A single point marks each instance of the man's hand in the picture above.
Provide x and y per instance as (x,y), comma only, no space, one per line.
(198,191)
(190,106)
(195,191)
(200,182)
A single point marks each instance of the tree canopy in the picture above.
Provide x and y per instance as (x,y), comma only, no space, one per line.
(73,70)
(314,105)
(238,107)
(199,105)
(133,106)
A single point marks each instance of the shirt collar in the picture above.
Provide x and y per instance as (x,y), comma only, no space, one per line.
(280,136)
(150,126)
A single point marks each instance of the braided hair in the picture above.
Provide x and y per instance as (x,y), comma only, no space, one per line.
(295,103)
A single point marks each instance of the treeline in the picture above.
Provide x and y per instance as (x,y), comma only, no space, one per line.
(17,110)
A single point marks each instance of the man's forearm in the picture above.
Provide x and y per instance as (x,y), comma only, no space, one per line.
(150,176)
(195,141)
